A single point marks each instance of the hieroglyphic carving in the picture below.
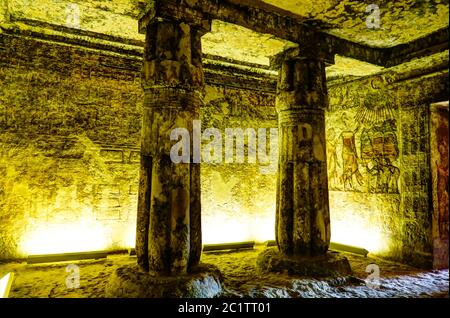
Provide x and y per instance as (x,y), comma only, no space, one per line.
(364,159)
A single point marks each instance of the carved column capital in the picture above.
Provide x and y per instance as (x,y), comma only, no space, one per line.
(173,52)
(302,84)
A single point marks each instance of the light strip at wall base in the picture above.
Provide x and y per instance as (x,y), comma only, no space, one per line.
(228,246)
(216,247)
(337,247)
(5,285)
(349,248)
(50,258)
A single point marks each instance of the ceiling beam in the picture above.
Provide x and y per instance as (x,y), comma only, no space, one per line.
(387,57)
(252,14)
(310,35)
(430,44)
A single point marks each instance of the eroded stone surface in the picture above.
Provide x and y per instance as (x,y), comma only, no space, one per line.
(401,21)
(129,281)
(330,264)
(240,279)
(169,216)
(302,216)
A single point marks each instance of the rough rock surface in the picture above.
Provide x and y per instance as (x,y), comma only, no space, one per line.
(240,279)
(332,264)
(130,282)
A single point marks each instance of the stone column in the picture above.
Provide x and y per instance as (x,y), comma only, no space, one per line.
(302,216)
(302,227)
(168,238)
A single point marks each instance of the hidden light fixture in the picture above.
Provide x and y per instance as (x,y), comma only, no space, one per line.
(63,257)
(5,285)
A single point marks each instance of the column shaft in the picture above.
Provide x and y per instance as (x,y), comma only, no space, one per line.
(169,218)
(302,216)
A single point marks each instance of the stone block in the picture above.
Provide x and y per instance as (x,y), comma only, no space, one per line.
(130,282)
(331,264)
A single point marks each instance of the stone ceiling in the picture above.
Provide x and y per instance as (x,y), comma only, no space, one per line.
(401,21)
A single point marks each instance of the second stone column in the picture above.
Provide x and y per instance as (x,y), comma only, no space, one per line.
(302,227)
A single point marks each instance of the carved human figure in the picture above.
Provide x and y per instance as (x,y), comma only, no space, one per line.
(350,170)
(332,157)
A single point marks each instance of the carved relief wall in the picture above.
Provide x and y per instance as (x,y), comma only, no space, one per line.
(363,164)
(69,154)
(378,166)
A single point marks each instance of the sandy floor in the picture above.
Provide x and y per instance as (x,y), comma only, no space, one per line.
(240,279)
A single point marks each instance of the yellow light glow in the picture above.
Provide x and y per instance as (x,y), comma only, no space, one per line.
(216,229)
(65,238)
(358,232)
(225,229)
(354,232)
(130,236)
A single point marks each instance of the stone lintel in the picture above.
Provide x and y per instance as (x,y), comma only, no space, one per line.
(255,15)
(265,18)
(173,10)
(428,45)
(354,50)
(387,57)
